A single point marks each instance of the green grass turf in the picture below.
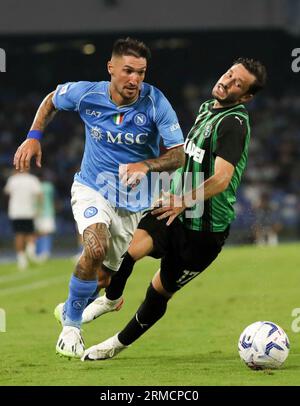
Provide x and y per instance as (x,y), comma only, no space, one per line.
(194,344)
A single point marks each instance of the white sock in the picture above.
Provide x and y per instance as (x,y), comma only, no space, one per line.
(22,260)
(117,343)
(30,250)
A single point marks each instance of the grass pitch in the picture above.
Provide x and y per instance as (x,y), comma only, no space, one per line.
(194,344)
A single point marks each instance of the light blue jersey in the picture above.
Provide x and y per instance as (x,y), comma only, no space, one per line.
(118,134)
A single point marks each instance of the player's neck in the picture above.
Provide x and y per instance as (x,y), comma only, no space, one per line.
(118,100)
(218,105)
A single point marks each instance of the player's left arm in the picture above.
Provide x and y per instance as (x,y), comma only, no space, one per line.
(169,161)
(230,145)
(172,159)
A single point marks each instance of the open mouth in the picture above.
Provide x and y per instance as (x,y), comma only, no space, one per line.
(221,89)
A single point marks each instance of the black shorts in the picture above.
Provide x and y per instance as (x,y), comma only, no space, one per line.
(185,253)
(23,226)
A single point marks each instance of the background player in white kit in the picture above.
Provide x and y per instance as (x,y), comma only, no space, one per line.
(125,120)
(25,192)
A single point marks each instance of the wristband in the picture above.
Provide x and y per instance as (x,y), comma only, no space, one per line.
(35,134)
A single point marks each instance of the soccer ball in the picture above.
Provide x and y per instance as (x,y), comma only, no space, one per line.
(263,345)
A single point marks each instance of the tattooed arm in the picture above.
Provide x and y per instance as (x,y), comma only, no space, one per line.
(171,160)
(32,147)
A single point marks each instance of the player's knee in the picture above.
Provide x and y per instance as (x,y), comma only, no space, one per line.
(158,286)
(141,245)
(134,255)
(95,242)
(154,296)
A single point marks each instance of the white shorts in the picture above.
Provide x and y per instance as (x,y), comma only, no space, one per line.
(44,225)
(90,207)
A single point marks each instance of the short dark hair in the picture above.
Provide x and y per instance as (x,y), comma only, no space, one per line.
(257,69)
(131,46)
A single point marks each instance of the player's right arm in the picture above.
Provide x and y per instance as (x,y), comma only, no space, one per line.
(228,152)
(31,147)
(66,97)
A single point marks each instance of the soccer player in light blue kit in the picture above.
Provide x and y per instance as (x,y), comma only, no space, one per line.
(125,121)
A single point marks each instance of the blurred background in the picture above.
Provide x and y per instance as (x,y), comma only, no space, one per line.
(192,44)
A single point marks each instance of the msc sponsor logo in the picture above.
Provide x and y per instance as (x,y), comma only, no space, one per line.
(140,119)
(193,151)
(118,138)
(90,212)
(96,133)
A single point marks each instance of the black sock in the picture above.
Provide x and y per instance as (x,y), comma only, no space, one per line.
(119,279)
(151,310)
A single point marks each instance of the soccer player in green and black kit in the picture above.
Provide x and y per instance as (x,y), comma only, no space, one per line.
(217,146)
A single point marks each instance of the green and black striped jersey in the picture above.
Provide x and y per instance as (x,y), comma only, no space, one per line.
(223,132)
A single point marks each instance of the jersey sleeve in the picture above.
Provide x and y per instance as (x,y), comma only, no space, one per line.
(68,95)
(231,138)
(167,123)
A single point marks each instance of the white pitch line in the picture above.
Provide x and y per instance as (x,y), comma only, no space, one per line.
(34,285)
(20,275)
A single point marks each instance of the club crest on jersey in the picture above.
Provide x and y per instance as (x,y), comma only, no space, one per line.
(207,131)
(90,212)
(140,119)
(96,133)
(118,118)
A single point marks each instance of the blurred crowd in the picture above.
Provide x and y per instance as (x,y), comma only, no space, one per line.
(268,200)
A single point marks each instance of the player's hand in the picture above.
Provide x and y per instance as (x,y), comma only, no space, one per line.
(28,149)
(168,205)
(131,174)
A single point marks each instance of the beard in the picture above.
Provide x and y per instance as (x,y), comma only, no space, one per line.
(227,101)
(127,95)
